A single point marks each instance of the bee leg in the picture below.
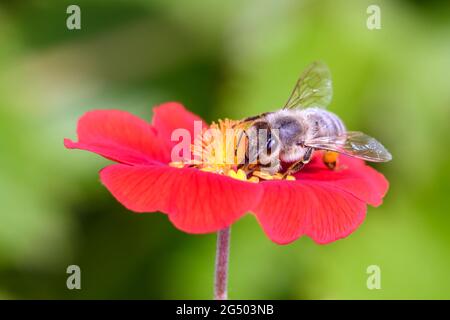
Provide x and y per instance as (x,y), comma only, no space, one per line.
(308,155)
(295,167)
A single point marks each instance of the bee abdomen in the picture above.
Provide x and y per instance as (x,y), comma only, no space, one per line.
(323,123)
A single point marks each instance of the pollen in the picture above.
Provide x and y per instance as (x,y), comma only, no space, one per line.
(330,159)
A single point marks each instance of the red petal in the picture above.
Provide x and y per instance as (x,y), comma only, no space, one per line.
(172,115)
(352,176)
(119,136)
(289,210)
(196,201)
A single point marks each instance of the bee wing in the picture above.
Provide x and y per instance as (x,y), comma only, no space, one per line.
(355,144)
(313,88)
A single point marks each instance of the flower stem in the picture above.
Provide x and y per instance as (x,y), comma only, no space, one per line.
(221,272)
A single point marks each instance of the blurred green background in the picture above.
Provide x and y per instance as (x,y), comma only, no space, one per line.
(221,59)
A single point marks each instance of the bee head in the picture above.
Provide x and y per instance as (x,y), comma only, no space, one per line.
(264,143)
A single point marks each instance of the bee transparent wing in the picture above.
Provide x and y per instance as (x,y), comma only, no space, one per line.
(313,88)
(355,144)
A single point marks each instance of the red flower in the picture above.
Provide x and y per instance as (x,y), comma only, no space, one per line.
(323,204)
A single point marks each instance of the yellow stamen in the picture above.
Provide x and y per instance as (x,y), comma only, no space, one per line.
(215,148)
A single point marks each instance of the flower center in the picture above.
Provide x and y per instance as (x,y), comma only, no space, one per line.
(221,149)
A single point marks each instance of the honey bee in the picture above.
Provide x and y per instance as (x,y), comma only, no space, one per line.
(302,126)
